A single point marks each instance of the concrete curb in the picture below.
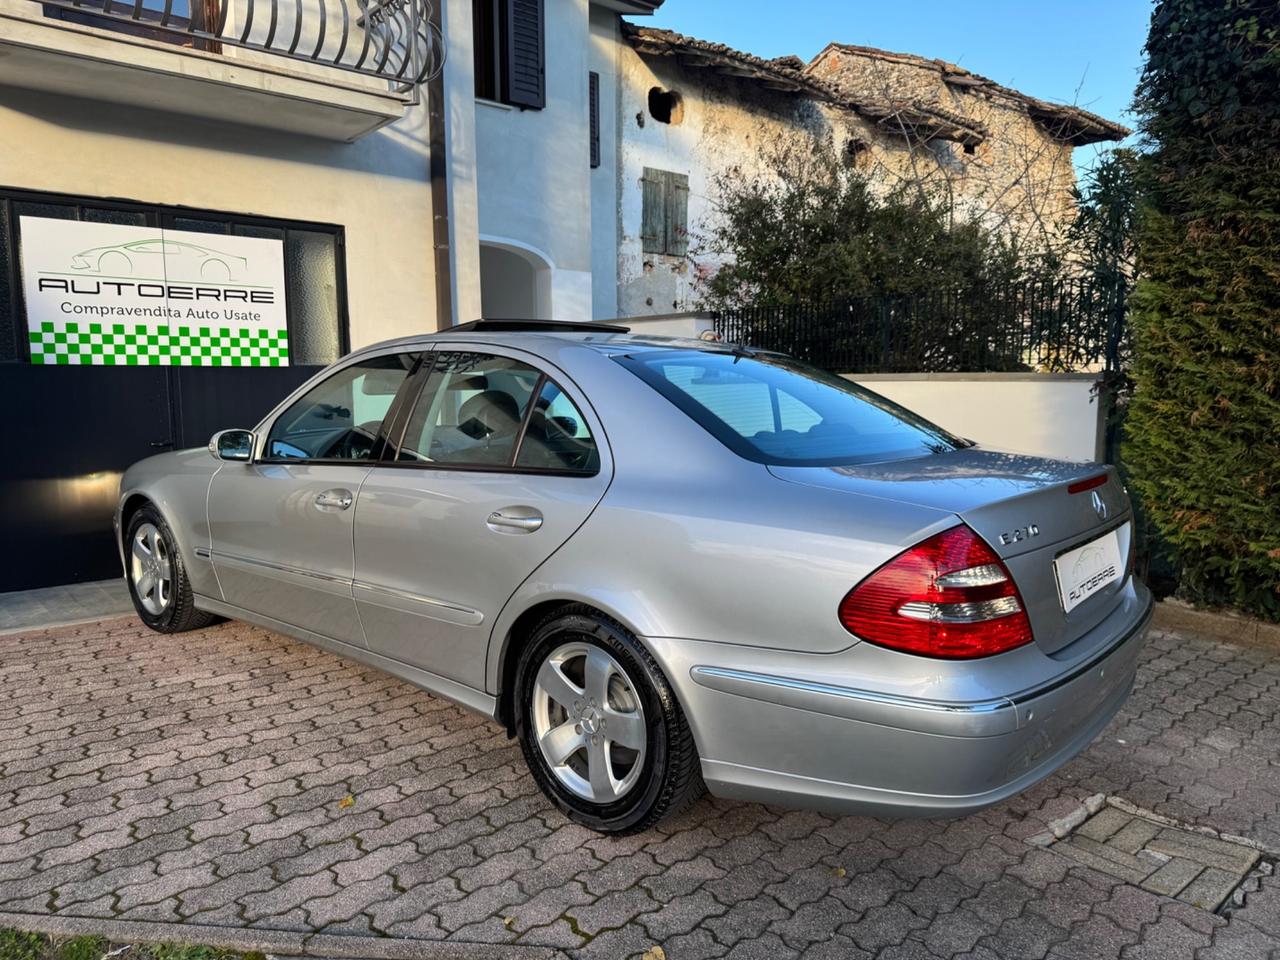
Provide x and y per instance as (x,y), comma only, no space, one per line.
(57,624)
(280,943)
(1215,624)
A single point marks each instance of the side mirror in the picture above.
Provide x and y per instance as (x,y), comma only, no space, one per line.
(232,445)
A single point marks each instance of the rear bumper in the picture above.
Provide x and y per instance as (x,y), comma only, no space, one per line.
(772,738)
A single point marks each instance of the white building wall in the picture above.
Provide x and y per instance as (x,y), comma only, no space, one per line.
(533,167)
(727,126)
(605,56)
(461,165)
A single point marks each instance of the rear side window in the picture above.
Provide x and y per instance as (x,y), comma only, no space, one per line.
(470,411)
(484,411)
(775,410)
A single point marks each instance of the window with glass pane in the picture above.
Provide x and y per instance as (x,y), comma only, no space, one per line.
(557,437)
(311,272)
(470,411)
(342,418)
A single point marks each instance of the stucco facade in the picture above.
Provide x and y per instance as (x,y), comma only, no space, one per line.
(532,177)
(533,223)
(727,125)
(376,189)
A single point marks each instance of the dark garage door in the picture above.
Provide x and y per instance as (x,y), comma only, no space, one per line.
(72,430)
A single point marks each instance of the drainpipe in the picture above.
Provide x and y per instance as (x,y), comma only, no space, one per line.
(439,165)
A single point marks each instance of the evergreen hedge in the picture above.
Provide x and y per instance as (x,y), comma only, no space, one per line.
(1203,435)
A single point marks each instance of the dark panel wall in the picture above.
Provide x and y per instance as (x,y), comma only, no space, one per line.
(72,430)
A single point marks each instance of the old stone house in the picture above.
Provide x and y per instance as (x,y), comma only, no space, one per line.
(691,112)
(1009,157)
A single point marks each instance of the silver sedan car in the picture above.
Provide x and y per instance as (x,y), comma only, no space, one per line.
(664,564)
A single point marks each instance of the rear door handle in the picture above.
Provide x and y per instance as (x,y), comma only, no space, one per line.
(338,499)
(514,520)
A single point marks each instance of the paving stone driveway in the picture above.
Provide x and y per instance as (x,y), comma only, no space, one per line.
(201,778)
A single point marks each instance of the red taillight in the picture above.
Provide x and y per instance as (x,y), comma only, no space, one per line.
(949,596)
(1080,486)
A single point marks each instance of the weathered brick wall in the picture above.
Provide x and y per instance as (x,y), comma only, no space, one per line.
(1019,180)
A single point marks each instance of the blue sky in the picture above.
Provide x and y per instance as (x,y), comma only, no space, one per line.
(1087,52)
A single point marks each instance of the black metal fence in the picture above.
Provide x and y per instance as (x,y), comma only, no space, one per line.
(1055,325)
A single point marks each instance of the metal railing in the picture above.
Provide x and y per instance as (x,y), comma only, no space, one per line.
(392,40)
(1056,325)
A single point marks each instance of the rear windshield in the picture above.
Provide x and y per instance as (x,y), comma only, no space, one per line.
(775,410)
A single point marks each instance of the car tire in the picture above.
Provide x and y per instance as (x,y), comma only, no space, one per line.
(157,576)
(644,783)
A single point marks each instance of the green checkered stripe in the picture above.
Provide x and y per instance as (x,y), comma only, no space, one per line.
(118,344)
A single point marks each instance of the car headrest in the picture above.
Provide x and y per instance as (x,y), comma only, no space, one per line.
(491,413)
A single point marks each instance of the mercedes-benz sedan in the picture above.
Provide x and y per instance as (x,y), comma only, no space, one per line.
(665,563)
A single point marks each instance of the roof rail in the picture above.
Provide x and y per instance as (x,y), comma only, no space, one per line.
(538,326)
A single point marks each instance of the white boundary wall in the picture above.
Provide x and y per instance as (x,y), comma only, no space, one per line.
(1046,414)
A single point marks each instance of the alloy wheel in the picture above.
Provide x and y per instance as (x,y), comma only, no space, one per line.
(589,722)
(151,569)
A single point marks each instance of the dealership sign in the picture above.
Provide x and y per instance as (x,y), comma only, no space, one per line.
(112,294)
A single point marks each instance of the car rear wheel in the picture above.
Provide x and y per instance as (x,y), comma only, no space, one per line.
(157,576)
(600,727)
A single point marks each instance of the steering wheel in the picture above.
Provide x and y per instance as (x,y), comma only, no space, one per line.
(354,444)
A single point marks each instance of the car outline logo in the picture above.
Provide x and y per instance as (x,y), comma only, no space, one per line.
(158,258)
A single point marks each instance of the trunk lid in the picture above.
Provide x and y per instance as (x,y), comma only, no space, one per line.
(1021,506)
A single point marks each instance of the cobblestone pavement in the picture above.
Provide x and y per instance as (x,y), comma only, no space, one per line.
(202,778)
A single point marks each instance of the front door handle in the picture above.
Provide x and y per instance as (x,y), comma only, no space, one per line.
(514,520)
(337,498)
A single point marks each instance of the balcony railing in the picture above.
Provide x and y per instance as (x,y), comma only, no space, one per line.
(391,40)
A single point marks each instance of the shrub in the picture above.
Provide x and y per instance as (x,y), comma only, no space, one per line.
(812,229)
(1203,436)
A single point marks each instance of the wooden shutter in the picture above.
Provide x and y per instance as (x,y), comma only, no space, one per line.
(593,98)
(677,214)
(653,228)
(524,74)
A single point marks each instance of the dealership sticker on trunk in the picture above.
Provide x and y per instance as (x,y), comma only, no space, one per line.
(1084,571)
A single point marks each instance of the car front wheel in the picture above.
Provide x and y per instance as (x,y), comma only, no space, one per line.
(157,576)
(600,727)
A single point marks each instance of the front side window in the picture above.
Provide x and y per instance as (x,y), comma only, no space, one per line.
(775,410)
(344,418)
(485,411)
